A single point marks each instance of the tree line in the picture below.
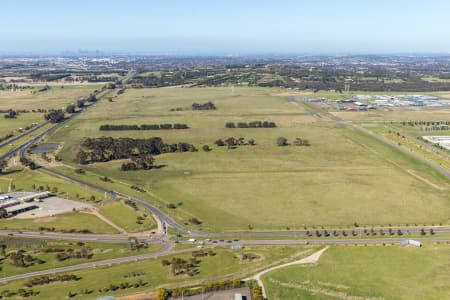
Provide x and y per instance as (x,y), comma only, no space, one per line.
(233,142)
(42,280)
(105,149)
(254,124)
(164,294)
(108,127)
(203,106)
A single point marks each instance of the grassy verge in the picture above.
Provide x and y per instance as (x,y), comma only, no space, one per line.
(224,264)
(40,249)
(368,273)
(127,217)
(64,222)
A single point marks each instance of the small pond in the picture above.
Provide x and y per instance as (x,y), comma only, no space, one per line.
(45,148)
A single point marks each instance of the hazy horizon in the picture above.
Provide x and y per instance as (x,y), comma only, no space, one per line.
(225,27)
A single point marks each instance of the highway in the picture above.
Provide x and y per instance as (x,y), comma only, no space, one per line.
(357,233)
(167,250)
(17,137)
(103,263)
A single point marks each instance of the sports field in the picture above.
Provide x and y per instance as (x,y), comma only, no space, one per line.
(366,273)
(342,178)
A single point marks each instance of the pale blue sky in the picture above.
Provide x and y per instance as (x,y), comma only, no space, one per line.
(226,26)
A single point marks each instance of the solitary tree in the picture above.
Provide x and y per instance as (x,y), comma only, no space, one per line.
(282,141)
(55,116)
(70,108)
(3,165)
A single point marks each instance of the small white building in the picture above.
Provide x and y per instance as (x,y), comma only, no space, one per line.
(412,243)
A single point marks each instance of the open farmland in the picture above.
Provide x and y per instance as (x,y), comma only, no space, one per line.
(366,273)
(342,178)
(54,98)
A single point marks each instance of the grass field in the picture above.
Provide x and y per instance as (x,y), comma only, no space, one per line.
(23,120)
(55,98)
(126,217)
(77,221)
(224,264)
(99,251)
(365,273)
(342,178)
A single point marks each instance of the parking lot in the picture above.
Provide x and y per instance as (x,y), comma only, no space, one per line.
(47,207)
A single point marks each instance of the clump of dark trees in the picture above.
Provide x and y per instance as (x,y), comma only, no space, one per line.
(105,149)
(190,267)
(203,106)
(232,142)
(21,259)
(47,279)
(55,116)
(140,162)
(28,163)
(11,114)
(121,286)
(254,124)
(108,127)
(72,254)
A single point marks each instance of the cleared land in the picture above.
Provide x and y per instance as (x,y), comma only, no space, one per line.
(342,178)
(367,273)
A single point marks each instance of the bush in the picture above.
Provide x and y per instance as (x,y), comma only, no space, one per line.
(282,141)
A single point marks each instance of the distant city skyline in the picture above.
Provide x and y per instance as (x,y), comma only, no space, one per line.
(222,27)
